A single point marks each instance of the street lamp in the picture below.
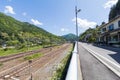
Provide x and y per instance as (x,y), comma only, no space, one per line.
(76,12)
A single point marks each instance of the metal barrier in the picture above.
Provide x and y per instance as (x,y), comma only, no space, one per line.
(74,72)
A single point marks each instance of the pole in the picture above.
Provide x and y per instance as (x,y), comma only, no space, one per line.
(76,12)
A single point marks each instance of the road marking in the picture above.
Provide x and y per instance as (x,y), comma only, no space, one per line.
(104,61)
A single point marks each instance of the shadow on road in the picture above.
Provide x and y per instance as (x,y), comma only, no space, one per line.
(110,48)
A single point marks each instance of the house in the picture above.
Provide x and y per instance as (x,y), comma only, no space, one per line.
(110,32)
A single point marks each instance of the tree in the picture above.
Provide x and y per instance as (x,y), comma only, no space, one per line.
(90,35)
(118,7)
(115,11)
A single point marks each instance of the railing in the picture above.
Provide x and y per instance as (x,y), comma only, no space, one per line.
(74,72)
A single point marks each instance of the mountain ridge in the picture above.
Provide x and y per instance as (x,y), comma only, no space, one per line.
(70,37)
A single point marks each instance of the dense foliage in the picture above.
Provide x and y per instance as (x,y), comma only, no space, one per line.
(21,34)
(70,37)
(90,35)
(115,11)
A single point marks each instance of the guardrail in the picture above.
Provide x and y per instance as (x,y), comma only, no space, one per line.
(74,72)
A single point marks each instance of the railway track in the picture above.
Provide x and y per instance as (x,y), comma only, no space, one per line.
(23,68)
(15,56)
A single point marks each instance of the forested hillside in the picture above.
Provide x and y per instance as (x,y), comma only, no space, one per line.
(90,35)
(20,34)
(115,11)
(70,37)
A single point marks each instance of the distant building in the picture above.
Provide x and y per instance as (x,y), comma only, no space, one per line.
(110,32)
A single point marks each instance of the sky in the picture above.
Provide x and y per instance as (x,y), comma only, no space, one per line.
(58,16)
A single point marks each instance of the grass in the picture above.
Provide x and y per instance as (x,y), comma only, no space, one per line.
(16,51)
(61,70)
(1,64)
(34,56)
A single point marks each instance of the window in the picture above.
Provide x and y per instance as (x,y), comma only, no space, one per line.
(103,29)
(118,23)
(111,27)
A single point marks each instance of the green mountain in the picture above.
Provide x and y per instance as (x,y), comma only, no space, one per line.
(16,33)
(70,37)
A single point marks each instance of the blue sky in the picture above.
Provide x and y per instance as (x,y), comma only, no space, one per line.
(58,16)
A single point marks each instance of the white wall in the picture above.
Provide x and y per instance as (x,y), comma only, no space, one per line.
(115,22)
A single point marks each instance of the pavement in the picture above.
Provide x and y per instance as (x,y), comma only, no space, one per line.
(92,68)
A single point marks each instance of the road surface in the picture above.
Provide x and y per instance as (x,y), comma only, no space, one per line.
(93,69)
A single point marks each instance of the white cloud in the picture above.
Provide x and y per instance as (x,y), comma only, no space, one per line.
(9,9)
(84,23)
(110,3)
(24,13)
(64,29)
(36,22)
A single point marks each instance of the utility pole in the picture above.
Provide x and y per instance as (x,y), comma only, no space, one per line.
(76,13)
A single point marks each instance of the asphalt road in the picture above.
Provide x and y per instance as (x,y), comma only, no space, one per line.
(93,69)
(109,52)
